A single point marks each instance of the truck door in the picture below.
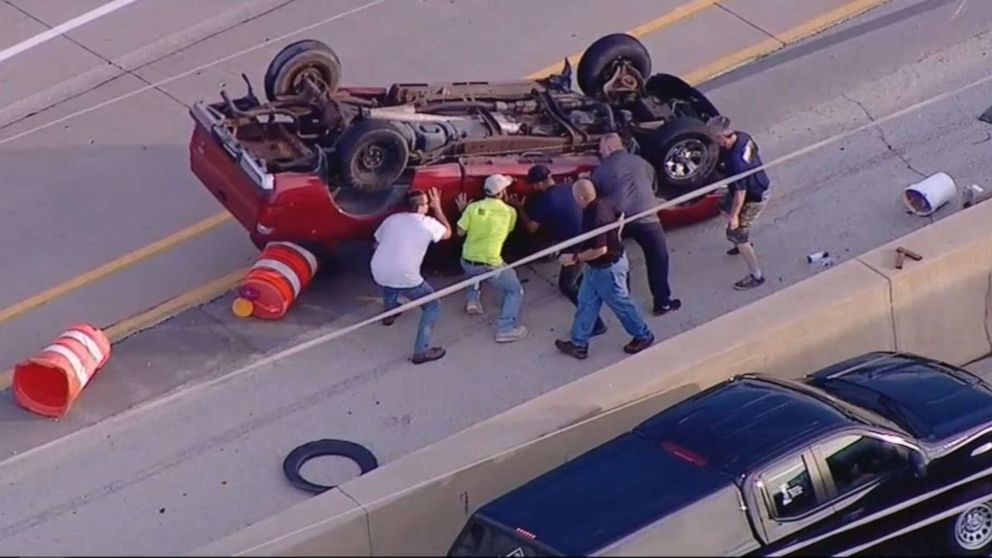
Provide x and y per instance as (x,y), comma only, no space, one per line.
(788,496)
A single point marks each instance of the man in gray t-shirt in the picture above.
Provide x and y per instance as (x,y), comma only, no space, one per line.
(625,179)
(628,181)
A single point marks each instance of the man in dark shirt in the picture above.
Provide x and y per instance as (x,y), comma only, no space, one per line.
(552,206)
(605,278)
(746,198)
(628,182)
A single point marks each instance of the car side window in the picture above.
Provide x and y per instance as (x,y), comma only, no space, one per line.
(790,489)
(854,461)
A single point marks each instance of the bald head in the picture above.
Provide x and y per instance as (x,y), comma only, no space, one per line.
(609,144)
(584,192)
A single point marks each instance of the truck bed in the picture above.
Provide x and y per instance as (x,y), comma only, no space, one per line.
(595,500)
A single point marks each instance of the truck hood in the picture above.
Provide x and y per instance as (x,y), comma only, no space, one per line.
(606,494)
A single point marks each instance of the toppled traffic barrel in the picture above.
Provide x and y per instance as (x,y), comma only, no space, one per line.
(272,285)
(49,382)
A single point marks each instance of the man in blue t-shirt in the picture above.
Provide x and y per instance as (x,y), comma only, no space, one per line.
(746,197)
(552,206)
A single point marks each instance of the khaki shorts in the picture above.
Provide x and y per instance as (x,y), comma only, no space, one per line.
(749,213)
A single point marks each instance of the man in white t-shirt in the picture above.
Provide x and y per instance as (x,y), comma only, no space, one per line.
(401,243)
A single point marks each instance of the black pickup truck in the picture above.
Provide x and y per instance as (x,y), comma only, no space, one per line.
(833,464)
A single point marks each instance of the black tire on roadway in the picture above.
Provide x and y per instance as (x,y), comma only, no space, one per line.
(293,463)
(678,134)
(594,66)
(308,55)
(371,155)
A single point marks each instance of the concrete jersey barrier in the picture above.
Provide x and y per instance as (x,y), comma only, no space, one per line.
(416,505)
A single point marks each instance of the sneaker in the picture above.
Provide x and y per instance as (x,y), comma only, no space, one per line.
(391,320)
(473,308)
(734,251)
(599,330)
(749,282)
(637,345)
(670,306)
(571,349)
(514,334)
(434,353)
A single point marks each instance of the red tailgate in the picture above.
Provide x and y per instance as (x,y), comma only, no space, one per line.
(231,176)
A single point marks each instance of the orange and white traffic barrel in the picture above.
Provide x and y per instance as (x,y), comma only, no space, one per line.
(276,280)
(49,382)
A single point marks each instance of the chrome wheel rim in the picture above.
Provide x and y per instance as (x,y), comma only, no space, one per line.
(973,528)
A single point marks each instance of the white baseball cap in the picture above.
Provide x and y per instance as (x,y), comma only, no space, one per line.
(496,183)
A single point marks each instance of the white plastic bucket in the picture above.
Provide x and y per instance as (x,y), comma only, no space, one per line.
(928,195)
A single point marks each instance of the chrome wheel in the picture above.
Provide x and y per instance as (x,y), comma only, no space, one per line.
(973,528)
(685,158)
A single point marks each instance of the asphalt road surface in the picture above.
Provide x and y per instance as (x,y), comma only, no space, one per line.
(105,185)
(205,460)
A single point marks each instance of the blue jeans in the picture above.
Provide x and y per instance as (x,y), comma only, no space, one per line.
(507,283)
(609,286)
(429,313)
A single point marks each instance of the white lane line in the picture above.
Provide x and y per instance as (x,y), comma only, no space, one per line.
(63,28)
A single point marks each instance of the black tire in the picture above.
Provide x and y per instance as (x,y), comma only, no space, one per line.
(293,463)
(371,155)
(285,70)
(595,64)
(676,171)
(328,263)
(981,536)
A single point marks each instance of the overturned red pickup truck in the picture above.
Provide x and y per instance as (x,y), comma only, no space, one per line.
(318,163)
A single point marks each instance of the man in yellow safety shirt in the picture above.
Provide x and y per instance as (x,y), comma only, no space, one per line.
(486,224)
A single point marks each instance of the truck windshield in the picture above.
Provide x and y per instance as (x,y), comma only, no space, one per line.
(482,537)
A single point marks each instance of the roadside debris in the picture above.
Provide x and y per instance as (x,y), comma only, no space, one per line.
(903,253)
(49,382)
(271,286)
(972,195)
(927,196)
(294,462)
(821,259)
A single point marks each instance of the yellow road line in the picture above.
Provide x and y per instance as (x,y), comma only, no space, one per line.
(220,285)
(671,17)
(113,266)
(222,217)
(173,306)
(160,313)
(795,34)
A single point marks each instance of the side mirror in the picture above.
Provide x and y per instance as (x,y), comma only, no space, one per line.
(919,462)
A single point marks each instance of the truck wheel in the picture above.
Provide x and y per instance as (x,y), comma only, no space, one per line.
(597,62)
(371,155)
(971,531)
(684,153)
(307,58)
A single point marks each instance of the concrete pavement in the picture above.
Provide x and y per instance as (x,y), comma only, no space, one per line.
(211,444)
(108,183)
